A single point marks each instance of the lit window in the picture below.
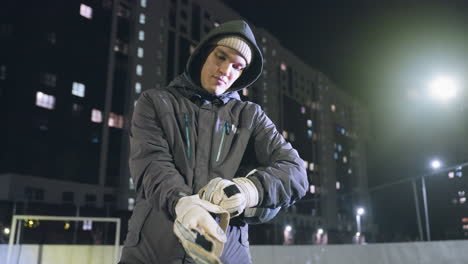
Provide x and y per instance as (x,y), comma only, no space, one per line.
(143,3)
(141,35)
(138,87)
(465,227)
(462,200)
(131,204)
(139,70)
(285,134)
(142,19)
(343,131)
(312,188)
(45,101)
(309,123)
(283,66)
(345,159)
(335,155)
(311,166)
(459,174)
(121,46)
(78,89)
(96,116)
(451,175)
(140,52)
(338,185)
(216,24)
(306,164)
(115,120)
(461,193)
(340,148)
(303,110)
(309,133)
(245,92)
(2,72)
(333,108)
(49,79)
(264,40)
(87,225)
(350,171)
(86,11)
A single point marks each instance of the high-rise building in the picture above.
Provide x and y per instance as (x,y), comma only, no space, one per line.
(327,126)
(64,89)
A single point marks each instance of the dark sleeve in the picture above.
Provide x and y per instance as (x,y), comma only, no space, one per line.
(151,162)
(281,178)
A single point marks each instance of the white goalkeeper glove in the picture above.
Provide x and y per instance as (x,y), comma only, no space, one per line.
(233,196)
(198,232)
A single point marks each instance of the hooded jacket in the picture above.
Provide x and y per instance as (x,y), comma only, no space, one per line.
(182,137)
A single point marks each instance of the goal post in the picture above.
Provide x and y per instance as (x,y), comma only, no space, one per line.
(16,218)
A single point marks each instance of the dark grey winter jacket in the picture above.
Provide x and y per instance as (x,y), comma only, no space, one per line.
(182,137)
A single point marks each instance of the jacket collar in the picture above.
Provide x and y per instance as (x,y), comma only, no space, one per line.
(188,89)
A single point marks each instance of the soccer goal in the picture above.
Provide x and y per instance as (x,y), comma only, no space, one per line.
(87,222)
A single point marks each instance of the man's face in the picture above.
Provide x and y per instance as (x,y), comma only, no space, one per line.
(221,69)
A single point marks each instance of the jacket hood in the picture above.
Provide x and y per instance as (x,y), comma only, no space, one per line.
(235,27)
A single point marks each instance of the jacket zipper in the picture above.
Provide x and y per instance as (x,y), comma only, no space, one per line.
(225,132)
(187,135)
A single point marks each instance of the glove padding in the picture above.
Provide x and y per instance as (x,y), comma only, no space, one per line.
(199,233)
(233,196)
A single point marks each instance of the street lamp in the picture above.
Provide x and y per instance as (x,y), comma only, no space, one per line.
(436,164)
(360,211)
(443,88)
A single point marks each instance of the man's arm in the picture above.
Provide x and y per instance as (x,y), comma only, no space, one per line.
(281,178)
(151,161)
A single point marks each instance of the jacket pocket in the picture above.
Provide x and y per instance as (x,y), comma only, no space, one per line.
(187,136)
(135,224)
(224,131)
(224,145)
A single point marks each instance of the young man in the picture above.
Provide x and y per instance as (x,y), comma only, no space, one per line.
(198,150)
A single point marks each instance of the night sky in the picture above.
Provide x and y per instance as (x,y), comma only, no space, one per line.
(384,53)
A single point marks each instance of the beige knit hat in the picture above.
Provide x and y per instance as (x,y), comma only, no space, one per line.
(239,44)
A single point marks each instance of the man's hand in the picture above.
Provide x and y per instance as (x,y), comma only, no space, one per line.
(233,196)
(200,235)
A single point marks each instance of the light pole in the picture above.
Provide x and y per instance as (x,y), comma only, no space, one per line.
(435,165)
(360,211)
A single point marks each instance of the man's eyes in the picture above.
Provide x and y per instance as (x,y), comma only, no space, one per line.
(220,57)
(238,67)
(223,58)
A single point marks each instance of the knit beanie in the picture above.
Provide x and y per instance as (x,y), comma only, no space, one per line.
(238,44)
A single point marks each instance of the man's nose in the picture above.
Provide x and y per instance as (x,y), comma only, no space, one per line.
(225,69)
